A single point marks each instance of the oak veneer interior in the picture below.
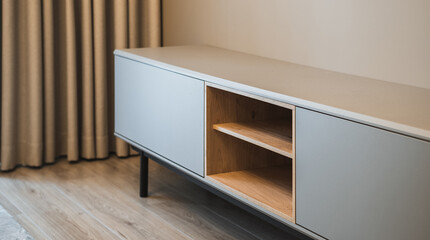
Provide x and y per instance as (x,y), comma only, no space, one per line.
(273,135)
(250,149)
(225,153)
(270,187)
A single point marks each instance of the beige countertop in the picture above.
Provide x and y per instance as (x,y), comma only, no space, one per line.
(395,107)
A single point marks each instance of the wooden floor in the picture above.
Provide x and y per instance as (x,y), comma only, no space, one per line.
(10,228)
(99,200)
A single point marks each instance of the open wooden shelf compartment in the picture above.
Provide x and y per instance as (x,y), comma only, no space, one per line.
(266,134)
(250,149)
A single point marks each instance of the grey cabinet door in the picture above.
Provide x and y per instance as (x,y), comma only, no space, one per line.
(357,182)
(162,111)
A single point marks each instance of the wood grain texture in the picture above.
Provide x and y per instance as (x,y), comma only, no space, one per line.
(275,136)
(225,153)
(10,228)
(101,197)
(269,187)
(245,135)
(23,219)
(361,99)
(53,210)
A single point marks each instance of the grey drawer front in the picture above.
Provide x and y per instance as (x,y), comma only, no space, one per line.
(162,111)
(357,182)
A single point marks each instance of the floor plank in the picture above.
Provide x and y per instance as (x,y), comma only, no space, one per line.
(10,228)
(30,226)
(54,211)
(99,200)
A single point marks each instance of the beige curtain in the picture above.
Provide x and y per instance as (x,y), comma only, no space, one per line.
(57,75)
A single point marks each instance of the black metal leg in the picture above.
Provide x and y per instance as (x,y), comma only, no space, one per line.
(143,175)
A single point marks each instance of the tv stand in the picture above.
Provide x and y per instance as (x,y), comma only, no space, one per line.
(327,155)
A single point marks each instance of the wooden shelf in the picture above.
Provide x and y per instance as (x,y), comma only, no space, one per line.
(272,135)
(250,149)
(270,188)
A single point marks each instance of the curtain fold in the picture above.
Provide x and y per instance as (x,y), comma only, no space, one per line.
(49,98)
(57,75)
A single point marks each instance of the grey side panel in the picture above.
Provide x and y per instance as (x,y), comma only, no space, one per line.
(162,111)
(357,182)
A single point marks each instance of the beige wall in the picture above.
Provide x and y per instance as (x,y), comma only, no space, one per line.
(382,39)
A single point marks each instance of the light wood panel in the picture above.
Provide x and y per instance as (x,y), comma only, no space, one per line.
(273,135)
(269,187)
(226,153)
(107,192)
(244,135)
